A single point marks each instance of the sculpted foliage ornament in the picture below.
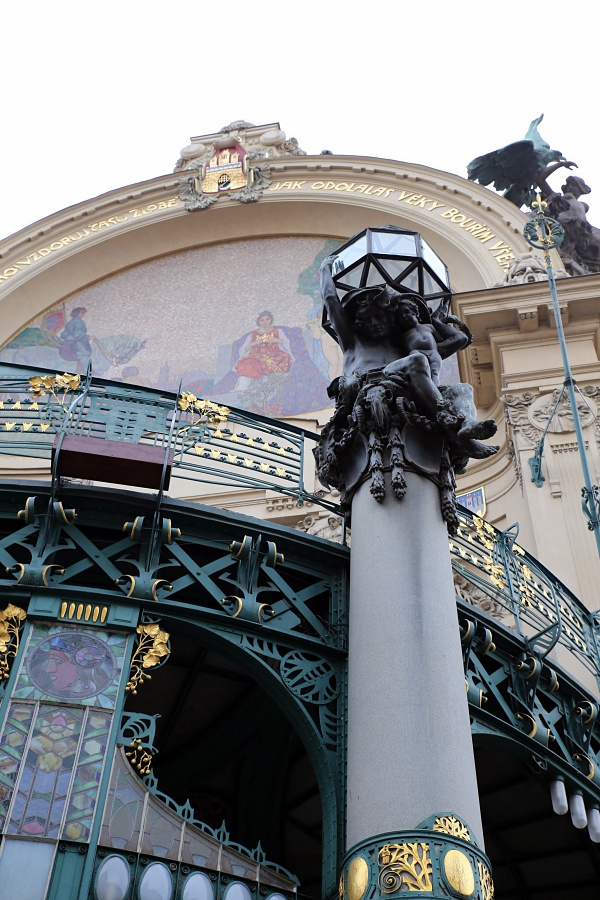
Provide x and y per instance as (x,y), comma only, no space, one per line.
(152,649)
(11,622)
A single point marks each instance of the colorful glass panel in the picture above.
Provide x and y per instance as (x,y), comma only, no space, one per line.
(12,746)
(84,790)
(72,664)
(46,776)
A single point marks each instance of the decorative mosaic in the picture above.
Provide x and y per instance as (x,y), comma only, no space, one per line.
(72,664)
(238,323)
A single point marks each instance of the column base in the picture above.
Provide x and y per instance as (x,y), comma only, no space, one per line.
(439,858)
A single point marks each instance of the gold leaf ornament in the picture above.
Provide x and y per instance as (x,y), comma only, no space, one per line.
(186,400)
(151,649)
(11,622)
(67,382)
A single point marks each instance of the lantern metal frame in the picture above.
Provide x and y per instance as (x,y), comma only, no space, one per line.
(387,255)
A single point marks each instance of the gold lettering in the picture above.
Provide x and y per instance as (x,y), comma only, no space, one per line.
(318,185)
(405,194)
(435,205)
(486,236)
(297,185)
(56,245)
(361,188)
(420,200)
(287,184)
(449,213)
(24,262)
(342,186)
(459,218)
(389,191)
(378,192)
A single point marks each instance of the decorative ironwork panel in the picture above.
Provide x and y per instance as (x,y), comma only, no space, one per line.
(522,592)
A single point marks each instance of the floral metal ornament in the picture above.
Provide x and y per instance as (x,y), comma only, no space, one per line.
(452,825)
(50,384)
(405,866)
(487,885)
(139,756)
(202,416)
(151,651)
(11,623)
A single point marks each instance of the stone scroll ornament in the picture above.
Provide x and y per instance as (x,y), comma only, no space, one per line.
(391,414)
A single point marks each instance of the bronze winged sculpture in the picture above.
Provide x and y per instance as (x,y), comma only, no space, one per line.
(517,169)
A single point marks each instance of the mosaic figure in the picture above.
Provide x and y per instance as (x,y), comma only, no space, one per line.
(71,665)
(265,351)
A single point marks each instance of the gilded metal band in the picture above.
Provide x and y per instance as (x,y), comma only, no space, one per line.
(439,858)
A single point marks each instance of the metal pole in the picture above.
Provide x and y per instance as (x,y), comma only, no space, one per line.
(546,234)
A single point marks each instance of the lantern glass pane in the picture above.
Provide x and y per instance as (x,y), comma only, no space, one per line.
(353,276)
(411,281)
(395,267)
(390,242)
(430,285)
(350,255)
(374,276)
(433,260)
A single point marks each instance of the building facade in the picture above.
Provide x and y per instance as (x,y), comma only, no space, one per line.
(231,581)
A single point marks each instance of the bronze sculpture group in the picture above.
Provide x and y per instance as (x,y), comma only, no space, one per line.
(391,413)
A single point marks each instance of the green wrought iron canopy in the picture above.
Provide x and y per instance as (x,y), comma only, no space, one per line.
(393,256)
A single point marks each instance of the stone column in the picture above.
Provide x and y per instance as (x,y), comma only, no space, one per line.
(411,769)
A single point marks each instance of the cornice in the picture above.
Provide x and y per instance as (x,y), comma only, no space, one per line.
(375,191)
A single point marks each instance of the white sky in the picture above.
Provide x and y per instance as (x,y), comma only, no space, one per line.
(97,96)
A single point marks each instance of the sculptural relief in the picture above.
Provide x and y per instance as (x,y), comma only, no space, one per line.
(525,268)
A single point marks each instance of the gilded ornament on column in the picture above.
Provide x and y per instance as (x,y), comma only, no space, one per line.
(405,865)
(459,873)
(11,622)
(453,826)
(151,649)
(485,880)
(358,878)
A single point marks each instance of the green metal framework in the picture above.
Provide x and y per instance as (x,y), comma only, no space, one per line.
(276,600)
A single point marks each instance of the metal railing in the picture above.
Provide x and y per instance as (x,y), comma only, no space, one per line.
(229,447)
(210,443)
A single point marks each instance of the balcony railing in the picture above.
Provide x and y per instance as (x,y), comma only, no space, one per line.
(202,441)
